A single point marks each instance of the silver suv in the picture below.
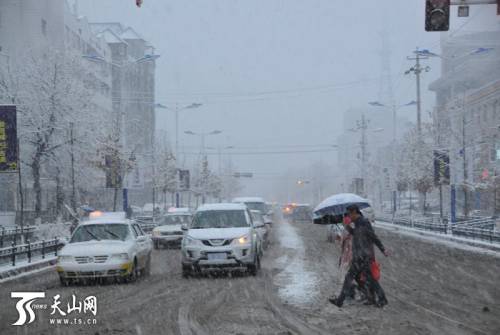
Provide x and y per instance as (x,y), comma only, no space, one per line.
(221,236)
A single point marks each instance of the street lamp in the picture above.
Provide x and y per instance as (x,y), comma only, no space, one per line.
(202,136)
(394,110)
(176,110)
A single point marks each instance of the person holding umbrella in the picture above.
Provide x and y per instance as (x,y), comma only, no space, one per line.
(363,254)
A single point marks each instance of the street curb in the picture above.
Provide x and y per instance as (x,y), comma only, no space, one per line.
(16,271)
(444,238)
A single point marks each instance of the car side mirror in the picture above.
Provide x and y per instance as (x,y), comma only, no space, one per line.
(258,224)
(184,227)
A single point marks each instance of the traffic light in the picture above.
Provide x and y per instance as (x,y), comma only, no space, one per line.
(437,15)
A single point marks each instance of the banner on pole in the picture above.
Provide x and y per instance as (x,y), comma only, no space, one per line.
(441,167)
(9,154)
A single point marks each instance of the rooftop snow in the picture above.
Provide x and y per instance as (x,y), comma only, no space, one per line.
(221,207)
(248,199)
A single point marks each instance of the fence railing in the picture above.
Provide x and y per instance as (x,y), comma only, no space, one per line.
(488,235)
(12,233)
(477,229)
(28,251)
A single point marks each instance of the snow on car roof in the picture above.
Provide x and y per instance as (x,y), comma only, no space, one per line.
(106,217)
(180,210)
(248,199)
(221,207)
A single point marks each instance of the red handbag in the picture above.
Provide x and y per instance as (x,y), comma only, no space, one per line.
(375,269)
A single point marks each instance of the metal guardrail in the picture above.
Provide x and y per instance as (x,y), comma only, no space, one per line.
(477,234)
(477,229)
(7,234)
(29,250)
(483,223)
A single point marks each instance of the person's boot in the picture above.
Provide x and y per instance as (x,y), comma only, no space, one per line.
(337,301)
(382,302)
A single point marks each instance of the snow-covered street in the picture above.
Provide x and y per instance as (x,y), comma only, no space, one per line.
(432,288)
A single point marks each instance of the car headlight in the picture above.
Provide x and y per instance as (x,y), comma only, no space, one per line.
(189,241)
(64,258)
(122,256)
(245,239)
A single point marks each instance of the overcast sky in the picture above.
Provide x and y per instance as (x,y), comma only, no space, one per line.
(272,73)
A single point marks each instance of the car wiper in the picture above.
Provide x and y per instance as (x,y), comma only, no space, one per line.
(91,234)
(112,234)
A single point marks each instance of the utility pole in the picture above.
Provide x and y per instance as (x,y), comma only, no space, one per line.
(72,156)
(417,69)
(362,125)
(466,194)
(177,130)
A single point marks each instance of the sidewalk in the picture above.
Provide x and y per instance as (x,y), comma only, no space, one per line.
(23,268)
(452,241)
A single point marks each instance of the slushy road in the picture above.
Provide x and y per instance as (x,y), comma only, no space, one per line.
(432,289)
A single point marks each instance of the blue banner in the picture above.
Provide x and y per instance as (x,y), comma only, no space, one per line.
(8,139)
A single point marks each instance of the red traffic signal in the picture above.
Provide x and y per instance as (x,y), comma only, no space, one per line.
(437,15)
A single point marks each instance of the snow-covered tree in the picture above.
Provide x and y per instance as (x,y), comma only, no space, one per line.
(415,168)
(50,92)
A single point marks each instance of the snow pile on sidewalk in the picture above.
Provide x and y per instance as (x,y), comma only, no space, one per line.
(297,285)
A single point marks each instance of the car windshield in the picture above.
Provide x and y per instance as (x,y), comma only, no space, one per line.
(113,231)
(259,206)
(175,220)
(220,219)
(257,217)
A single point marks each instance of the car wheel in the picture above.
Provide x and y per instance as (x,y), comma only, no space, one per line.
(255,266)
(64,281)
(186,271)
(132,276)
(147,267)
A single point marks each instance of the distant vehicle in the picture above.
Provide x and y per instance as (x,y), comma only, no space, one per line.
(169,230)
(107,245)
(298,212)
(302,213)
(221,236)
(256,203)
(261,228)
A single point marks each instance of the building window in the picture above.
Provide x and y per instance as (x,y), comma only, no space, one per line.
(44,27)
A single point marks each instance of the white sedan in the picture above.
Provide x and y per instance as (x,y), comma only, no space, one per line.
(169,230)
(103,247)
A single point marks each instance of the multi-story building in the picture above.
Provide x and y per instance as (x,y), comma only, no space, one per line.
(133,82)
(29,25)
(133,95)
(467,116)
(34,27)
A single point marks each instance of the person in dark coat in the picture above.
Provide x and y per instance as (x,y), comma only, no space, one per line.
(363,253)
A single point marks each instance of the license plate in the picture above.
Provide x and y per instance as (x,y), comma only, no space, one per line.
(217,256)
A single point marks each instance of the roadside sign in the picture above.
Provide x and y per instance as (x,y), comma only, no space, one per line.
(135,178)
(9,154)
(441,167)
(184,180)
